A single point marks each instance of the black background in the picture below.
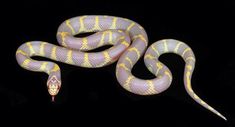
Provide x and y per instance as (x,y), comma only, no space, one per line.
(94,95)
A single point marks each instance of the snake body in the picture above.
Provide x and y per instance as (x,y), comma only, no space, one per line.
(129,42)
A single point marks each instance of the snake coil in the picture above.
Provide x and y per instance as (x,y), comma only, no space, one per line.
(129,42)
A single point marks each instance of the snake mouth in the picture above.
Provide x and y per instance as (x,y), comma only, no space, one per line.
(53,86)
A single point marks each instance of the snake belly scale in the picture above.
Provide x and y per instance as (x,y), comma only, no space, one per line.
(129,41)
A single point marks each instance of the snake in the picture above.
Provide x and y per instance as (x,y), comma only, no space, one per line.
(129,42)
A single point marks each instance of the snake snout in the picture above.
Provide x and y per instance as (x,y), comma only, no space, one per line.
(53,85)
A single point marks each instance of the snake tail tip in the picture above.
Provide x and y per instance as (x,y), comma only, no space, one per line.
(225,118)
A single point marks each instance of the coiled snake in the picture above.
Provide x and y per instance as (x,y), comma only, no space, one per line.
(129,42)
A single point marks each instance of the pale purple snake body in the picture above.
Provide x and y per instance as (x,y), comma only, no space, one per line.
(129,42)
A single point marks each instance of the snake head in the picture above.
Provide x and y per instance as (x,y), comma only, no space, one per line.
(53,85)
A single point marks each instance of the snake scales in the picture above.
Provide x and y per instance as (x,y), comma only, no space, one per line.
(129,42)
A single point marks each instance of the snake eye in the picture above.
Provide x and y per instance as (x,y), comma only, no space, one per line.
(53,86)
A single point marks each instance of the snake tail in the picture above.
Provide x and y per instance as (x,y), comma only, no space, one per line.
(182,49)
